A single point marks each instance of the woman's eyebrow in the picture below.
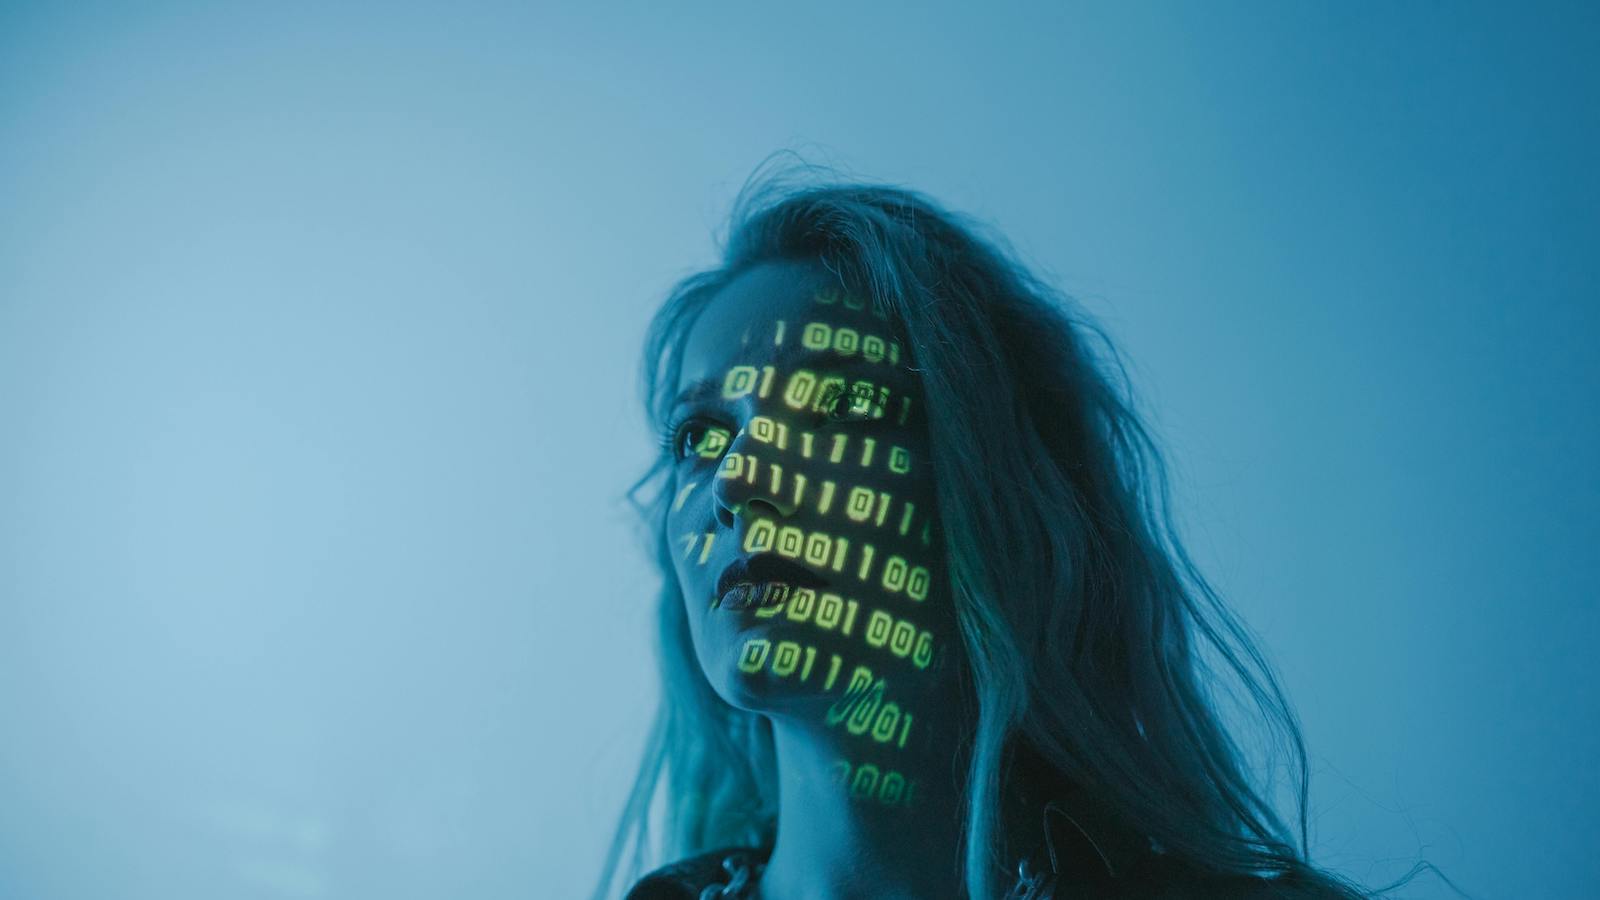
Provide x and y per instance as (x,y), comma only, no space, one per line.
(897,377)
(711,387)
(700,390)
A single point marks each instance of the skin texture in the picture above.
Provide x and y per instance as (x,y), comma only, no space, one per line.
(857,676)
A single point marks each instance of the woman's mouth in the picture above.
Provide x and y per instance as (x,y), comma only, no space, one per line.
(762,580)
(747,594)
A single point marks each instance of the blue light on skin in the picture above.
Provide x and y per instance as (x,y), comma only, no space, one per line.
(829,843)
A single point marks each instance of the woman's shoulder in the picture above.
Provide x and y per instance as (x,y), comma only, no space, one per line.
(732,868)
(736,870)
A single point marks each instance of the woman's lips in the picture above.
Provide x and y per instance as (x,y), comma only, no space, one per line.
(762,579)
(746,594)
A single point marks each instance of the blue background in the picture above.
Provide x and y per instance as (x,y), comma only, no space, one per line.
(318,333)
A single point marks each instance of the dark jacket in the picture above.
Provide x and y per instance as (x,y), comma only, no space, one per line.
(1072,865)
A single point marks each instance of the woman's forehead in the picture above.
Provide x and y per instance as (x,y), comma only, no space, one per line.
(765,313)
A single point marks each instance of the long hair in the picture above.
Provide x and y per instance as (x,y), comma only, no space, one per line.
(1095,642)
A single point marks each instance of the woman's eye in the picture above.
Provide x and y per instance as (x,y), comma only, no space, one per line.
(699,439)
(688,436)
(855,404)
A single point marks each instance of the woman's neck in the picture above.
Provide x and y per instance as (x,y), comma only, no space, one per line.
(858,825)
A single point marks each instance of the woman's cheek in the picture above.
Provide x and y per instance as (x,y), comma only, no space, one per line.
(688,533)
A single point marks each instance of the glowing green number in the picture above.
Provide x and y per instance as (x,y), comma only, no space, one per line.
(845,341)
(797,393)
(917,583)
(777,595)
(922,654)
(866,709)
(853,692)
(872,348)
(761,428)
(754,655)
(760,536)
(790,541)
(868,782)
(859,506)
(899,460)
(883,727)
(768,610)
(828,610)
(739,381)
(828,391)
(878,625)
(902,638)
(801,603)
(816,336)
(894,574)
(785,660)
(818,546)
(862,397)
(712,443)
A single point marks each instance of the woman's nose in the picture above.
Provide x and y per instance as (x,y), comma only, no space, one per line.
(752,481)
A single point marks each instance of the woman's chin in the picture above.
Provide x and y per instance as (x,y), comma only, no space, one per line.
(763,666)
(762,660)
(763,692)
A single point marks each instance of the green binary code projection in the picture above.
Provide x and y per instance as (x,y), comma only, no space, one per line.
(818,419)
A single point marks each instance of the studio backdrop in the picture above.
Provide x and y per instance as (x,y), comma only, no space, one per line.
(320,331)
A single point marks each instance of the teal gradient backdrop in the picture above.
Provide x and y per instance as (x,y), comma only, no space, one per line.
(318,333)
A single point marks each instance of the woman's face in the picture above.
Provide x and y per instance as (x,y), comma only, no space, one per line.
(803,520)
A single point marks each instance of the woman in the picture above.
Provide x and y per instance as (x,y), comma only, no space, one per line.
(926,629)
